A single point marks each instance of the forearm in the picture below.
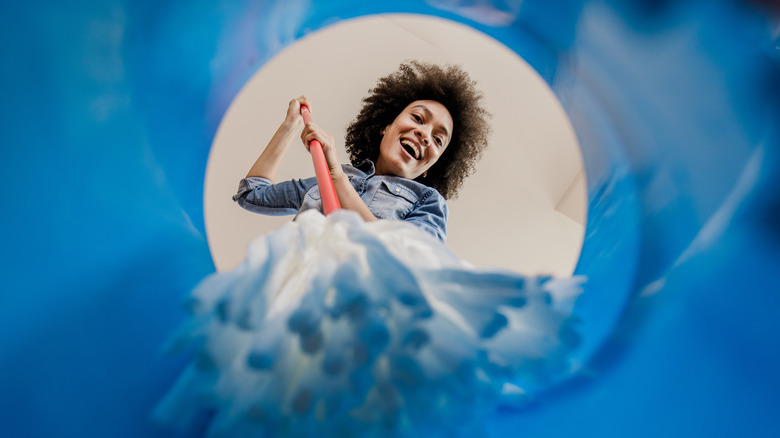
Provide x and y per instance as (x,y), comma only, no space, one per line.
(349,198)
(267,165)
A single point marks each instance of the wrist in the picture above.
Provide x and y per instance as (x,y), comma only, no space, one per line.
(338,175)
(291,124)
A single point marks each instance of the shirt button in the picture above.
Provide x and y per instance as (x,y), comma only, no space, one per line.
(398,190)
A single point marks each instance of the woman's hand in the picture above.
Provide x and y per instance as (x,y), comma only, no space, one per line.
(348,197)
(293,117)
(267,164)
(313,132)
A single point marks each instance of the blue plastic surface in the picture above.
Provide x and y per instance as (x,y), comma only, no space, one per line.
(108,110)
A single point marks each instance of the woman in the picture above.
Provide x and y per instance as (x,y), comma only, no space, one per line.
(417,137)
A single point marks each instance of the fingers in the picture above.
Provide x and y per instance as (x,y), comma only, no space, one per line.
(294,109)
(303,100)
(296,103)
(313,132)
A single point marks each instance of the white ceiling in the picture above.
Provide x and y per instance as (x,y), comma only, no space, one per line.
(525,207)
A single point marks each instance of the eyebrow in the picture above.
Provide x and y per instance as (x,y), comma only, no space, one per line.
(429,114)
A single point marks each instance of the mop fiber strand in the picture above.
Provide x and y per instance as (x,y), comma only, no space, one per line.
(337,327)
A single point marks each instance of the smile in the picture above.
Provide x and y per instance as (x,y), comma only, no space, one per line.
(412,149)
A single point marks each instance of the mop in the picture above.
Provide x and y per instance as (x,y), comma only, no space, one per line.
(336,327)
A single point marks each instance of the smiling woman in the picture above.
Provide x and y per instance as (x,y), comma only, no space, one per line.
(425,112)
(453,115)
(422,131)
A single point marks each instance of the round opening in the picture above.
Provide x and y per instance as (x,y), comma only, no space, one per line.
(524,209)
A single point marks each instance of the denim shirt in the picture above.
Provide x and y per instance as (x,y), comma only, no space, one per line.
(387,197)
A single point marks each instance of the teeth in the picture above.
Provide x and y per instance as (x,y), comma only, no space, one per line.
(413,147)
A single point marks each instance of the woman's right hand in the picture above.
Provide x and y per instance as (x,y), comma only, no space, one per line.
(293,116)
(267,165)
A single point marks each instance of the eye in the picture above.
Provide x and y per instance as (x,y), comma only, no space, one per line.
(439,141)
(417,118)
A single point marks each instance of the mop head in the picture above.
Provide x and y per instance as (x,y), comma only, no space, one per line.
(333,327)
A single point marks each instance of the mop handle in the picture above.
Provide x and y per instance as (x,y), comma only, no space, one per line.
(330,202)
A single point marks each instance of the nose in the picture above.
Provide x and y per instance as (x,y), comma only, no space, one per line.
(424,136)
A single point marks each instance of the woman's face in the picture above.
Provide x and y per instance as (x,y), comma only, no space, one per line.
(415,140)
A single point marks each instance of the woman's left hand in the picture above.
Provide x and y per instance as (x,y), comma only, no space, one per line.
(313,132)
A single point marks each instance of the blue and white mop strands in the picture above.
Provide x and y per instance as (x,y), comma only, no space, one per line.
(336,327)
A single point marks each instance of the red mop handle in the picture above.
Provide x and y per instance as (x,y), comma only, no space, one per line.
(330,201)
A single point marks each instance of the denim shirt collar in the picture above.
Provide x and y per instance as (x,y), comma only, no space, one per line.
(367,167)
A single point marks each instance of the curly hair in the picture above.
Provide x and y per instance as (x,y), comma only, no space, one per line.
(452,87)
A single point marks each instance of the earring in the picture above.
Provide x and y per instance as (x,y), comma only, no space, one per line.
(382,132)
(425,174)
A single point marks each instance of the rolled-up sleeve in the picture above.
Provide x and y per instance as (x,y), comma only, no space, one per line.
(430,214)
(261,195)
